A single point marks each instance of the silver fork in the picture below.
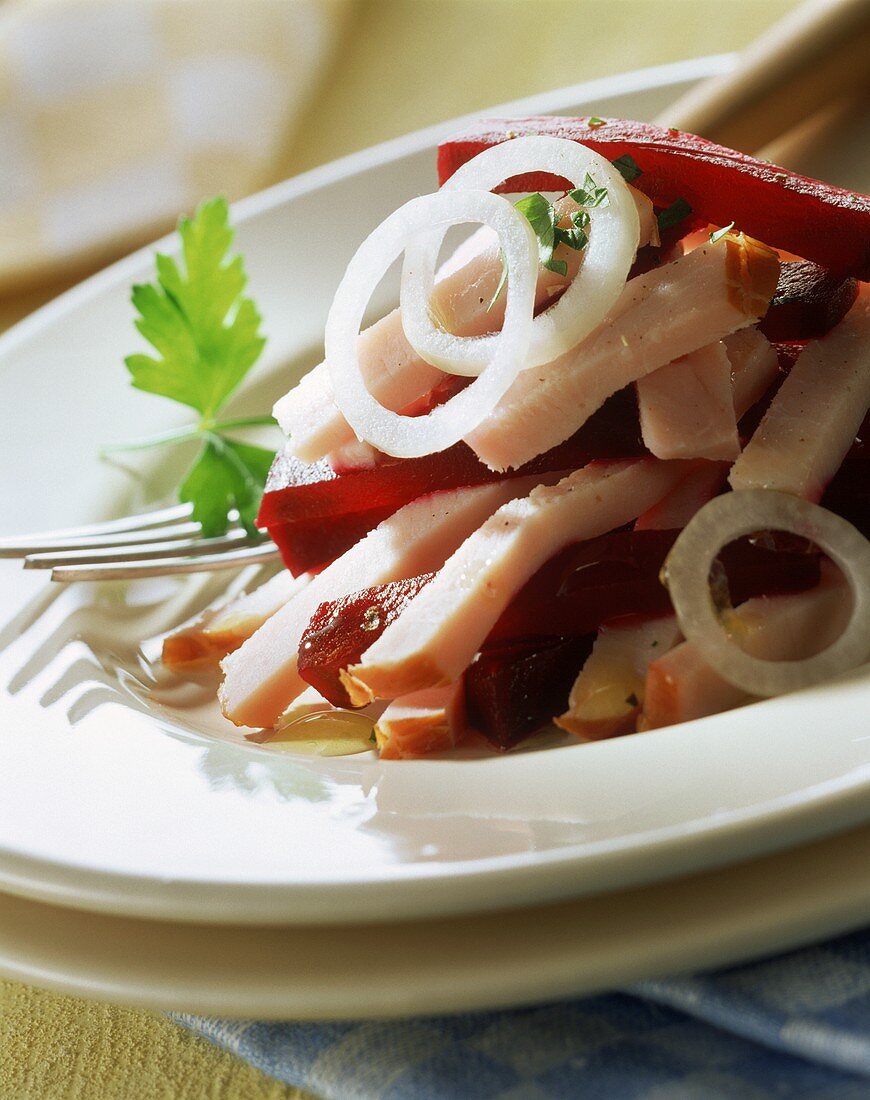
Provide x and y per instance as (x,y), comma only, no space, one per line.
(153,544)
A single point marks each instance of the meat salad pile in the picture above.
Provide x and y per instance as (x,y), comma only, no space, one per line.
(606,466)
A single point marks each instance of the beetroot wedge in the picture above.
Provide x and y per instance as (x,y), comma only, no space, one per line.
(514,688)
(809,301)
(340,631)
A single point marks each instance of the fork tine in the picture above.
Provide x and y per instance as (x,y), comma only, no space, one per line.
(14,546)
(23,547)
(161,567)
(138,551)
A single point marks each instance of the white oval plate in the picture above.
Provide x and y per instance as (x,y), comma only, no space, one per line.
(123,790)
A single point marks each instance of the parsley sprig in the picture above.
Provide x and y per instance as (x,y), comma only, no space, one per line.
(207,337)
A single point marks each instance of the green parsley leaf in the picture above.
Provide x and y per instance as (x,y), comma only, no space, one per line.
(226,475)
(207,335)
(720,233)
(673,214)
(589,194)
(627,167)
(541,216)
(595,122)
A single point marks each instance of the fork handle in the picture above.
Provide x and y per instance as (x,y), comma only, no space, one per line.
(818,53)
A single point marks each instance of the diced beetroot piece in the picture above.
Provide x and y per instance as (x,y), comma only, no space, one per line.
(514,688)
(809,301)
(848,494)
(308,545)
(296,490)
(340,631)
(808,218)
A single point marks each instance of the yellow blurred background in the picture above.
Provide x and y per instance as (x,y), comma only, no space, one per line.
(344,74)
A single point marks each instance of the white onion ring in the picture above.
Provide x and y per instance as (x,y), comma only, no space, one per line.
(613,239)
(728,517)
(406,436)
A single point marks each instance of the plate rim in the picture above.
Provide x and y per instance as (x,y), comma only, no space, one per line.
(698,922)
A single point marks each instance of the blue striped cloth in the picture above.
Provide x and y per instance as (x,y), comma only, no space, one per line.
(795,1026)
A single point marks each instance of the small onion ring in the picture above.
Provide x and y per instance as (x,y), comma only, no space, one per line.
(728,517)
(613,239)
(407,436)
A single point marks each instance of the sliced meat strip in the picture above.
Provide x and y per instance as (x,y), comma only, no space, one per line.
(607,695)
(686,407)
(221,630)
(420,724)
(664,314)
(703,481)
(814,417)
(681,686)
(754,367)
(440,630)
(262,678)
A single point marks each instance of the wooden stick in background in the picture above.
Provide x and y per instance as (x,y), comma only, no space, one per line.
(819,53)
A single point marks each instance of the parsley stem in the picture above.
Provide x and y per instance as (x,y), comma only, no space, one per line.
(264,421)
(174,435)
(188,433)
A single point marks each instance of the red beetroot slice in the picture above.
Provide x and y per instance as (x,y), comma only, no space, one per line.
(514,688)
(848,494)
(340,631)
(809,301)
(296,490)
(309,545)
(615,575)
(803,216)
(574,593)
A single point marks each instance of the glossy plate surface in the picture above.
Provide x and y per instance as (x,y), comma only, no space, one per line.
(123,790)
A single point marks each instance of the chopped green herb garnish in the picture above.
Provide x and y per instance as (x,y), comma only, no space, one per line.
(589,194)
(673,214)
(543,218)
(373,737)
(627,167)
(595,122)
(207,336)
(720,233)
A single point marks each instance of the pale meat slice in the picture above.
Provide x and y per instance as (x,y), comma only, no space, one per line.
(422,723)
(681,685)
(394,374)
(438,633)
(814,417)
(607,695)
(753,367)
(220,630)
(686,407)
(261,678)
(703,481)
(660,316)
